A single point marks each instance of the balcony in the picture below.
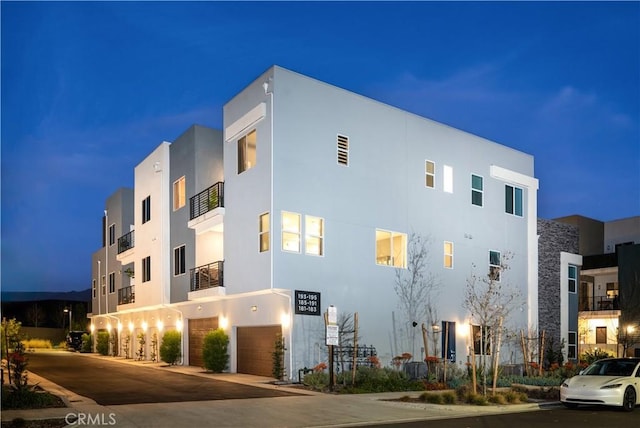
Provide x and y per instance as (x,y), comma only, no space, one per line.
(125,248)
(126,295)
(599,303)
(207,281)
(206,209)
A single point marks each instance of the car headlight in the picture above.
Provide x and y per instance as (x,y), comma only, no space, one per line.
(612,386)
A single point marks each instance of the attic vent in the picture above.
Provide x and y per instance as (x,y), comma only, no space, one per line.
(343,150)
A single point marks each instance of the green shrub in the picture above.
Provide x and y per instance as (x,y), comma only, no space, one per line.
(430,397)
(214,351)
(37,344)
(170,347)
(87,343)
(498,399)
(595,355)
(449,397)
(277,370)
(28,398)
(316,380)
(477,399)
(102,345)
(512,397)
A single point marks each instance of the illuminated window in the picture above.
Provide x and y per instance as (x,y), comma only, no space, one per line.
(146,269)
(179,260)
(146,209)
(477,190)
(112,282)
(391,248)
(494,265)
(264,232)
(447,178)
(343,150)
(247,152)
(513,200)
(179,193)
(448,254)
(430,174)
(290,232)
(573,278)
(314,235)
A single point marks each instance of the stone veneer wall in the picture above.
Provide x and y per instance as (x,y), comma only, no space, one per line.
(554,238)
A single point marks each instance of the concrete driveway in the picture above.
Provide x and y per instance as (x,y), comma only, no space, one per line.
(109,382)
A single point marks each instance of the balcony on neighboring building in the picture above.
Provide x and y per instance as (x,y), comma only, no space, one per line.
(599,303)
(125,248)
(207,281)
(206,209)
(126,295)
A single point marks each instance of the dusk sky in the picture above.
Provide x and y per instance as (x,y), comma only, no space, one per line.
(89,89)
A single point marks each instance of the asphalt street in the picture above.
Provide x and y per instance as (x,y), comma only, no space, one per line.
(113,383)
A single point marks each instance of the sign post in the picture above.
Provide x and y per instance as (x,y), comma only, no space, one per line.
(332,338)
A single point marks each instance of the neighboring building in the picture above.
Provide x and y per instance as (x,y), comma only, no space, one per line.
(609,293)
(314,189)
(559,273)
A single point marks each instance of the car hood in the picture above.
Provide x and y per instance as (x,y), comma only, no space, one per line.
(593,381)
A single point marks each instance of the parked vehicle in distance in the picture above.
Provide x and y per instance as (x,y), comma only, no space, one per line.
(74,340)
(607,382)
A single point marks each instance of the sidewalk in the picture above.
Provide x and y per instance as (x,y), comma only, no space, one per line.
(309,410)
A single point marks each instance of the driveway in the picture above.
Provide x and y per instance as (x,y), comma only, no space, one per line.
(113,383)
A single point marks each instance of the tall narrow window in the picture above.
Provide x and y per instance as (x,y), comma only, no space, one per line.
(477,190)
(314,235)
(430,174)
(179,193)
(291,232)
(447,178)
(247,152)
(146,269)
(103,285)
(112,282)
(391,248)
(572,345)
(146,209)
(179,261)
(449,340)
(573,279)
(112,234)
(343,150)
(481,340)
(513,200)
(264,232)
(93,288)
(495,265)
(448,254)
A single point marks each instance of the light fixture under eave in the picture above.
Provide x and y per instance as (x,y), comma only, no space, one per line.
(254,308)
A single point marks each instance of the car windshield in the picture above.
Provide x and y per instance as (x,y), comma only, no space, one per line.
(611,368)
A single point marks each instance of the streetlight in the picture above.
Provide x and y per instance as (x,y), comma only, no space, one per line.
(69,311)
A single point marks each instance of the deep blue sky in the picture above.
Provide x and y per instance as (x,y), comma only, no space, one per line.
(89,89)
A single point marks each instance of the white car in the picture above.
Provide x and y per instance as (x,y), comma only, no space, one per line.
(608,382)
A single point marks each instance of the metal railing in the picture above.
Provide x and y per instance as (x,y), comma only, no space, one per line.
(207,276)
(599,303)
(126,295)
(207,200)
(126,242)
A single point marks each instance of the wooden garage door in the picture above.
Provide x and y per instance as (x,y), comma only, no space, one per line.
(255,349)
(198,328)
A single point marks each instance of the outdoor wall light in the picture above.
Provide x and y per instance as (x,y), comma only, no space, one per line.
(130,327)
(254,308)
(144,325)
(159,325)
(223,322)
(119,326)
(199,307)
(179,325)
(108,326)
(92,328)
(284,320)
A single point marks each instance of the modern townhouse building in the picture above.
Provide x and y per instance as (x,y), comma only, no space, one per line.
(609,285)
(309,198)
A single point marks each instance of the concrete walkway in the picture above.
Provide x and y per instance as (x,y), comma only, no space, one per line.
(309,410)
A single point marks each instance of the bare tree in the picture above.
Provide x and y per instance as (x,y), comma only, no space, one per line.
(35,315)
(415,287)
(490,301)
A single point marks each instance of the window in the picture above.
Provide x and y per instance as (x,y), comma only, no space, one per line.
(447,178)
(291,232)
(572,345)
(93,288)
(612,290)
(146,269)
(430,174)
(477,190)
(573,279)
(314,235)
(112,282)
(179,193)
(247,152)
(146,209)
(448,340)
(264,232)
(481,340)
(448,254)
(391,248)
(343,150)
(112,234)
(513,200)
(179,263)
(103,285)
(601,335)
(494,266)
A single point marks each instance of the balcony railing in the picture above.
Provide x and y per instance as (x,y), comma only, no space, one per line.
(600,303)
(207,200)
(207,276)
(126,295)
(126,242)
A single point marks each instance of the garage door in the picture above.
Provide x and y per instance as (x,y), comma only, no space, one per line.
(198,328)
(255,349)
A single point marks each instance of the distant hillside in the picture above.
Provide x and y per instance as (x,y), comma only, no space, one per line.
(30,296)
